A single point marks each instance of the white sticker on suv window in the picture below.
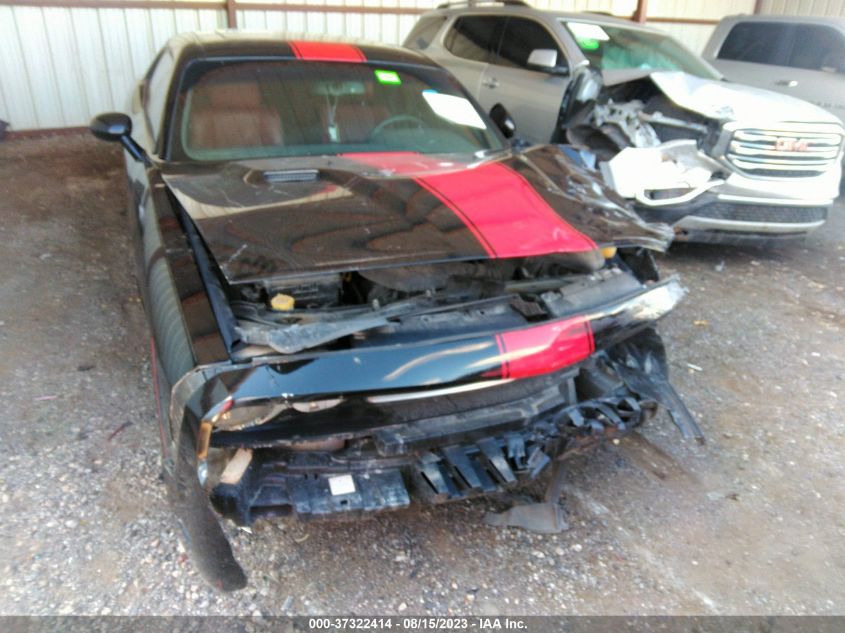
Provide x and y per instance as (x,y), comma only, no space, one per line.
(455,109)
(583,31)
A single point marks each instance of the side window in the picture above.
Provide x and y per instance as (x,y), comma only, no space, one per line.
(475,37)
(424,32)
(521,37)
(818,48)
(758,42)
(155,96)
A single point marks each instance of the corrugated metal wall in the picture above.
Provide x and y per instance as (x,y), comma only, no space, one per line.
(60,66)
(834,8)
(387,28)
(695,36)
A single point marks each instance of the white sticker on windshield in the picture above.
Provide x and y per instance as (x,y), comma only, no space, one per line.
(455,109)
(583,31)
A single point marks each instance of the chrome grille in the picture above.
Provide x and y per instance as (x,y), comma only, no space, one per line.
(793,151)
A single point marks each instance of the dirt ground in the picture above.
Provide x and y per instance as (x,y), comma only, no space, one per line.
(753,522)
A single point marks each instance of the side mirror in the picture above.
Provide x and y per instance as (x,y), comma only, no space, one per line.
(117,127)
(545,60)
(503,120)
(111,126)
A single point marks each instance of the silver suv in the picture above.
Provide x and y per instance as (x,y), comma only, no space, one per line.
(719,161)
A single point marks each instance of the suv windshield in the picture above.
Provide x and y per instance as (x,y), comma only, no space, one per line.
(621,48)
(234,110)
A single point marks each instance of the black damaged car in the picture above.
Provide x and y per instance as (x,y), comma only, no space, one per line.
(359,293)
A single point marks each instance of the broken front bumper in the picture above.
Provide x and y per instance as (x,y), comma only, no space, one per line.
(434,459)
(444,419)
(713,219)
(709,200)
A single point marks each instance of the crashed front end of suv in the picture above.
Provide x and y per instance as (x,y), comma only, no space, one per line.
(340,325)
(719,162)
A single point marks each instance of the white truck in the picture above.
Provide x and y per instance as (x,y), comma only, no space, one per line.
(800,56)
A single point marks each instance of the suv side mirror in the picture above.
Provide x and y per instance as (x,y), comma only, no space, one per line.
(545,60)
(116,127)
(503,120)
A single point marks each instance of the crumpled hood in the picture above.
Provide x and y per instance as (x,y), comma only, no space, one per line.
(727,101)
(294,216)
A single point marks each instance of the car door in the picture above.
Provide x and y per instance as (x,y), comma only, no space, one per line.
(531,95)
(469,45)
(801,60)
(147,113)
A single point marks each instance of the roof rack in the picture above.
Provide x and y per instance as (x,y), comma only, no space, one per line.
(473,3)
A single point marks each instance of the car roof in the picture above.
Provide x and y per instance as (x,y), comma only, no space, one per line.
(793,19)
(231,43)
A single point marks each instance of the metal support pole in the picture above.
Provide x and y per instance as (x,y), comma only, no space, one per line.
(231,16)
(641,12)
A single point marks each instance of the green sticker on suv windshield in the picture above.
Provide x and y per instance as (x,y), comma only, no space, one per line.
(588,44)
(388,77)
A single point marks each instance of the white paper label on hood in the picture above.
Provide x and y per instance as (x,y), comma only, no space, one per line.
(455,109)
(583,31)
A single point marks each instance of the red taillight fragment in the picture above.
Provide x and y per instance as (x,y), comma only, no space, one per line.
(545,348)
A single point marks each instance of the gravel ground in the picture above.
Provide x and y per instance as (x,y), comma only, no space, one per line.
(753,522)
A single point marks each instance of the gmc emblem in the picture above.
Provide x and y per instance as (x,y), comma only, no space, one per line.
(783,144)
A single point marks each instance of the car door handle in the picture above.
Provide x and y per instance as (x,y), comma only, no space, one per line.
(490,83)
(789,83)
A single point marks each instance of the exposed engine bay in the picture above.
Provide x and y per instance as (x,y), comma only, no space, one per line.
(648,148)
(296,314)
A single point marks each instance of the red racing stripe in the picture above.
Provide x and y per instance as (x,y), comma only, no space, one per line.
(501,208)
(545,348)
(327,52)
(512,218)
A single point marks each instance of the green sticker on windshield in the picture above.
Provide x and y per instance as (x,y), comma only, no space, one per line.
(588,44)
(388,77)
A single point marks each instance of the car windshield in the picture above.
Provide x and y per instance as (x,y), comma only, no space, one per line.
(236,110)
(621,48)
